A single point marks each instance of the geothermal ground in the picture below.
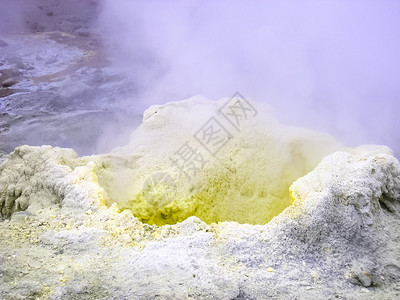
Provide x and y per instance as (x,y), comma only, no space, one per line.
(204,200)
(92,227)
(56,86)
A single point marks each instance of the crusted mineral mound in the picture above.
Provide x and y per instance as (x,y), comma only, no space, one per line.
(209,200)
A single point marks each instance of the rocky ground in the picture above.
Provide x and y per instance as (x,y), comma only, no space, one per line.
(88,227)
(65,235)
(56,86)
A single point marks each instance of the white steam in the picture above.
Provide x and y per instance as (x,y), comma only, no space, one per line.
(328,65)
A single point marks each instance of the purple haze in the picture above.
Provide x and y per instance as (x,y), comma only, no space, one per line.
(329,65)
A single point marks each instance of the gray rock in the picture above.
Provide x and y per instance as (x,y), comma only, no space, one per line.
(9,82)
(365,279)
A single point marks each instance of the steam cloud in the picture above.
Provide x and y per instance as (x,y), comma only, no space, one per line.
(328,65)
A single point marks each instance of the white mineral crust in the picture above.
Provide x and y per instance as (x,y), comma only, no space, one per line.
(63,235)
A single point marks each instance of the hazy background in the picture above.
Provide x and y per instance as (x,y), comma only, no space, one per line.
(328,65)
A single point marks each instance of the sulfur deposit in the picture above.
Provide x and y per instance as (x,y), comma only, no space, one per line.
(209,200)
